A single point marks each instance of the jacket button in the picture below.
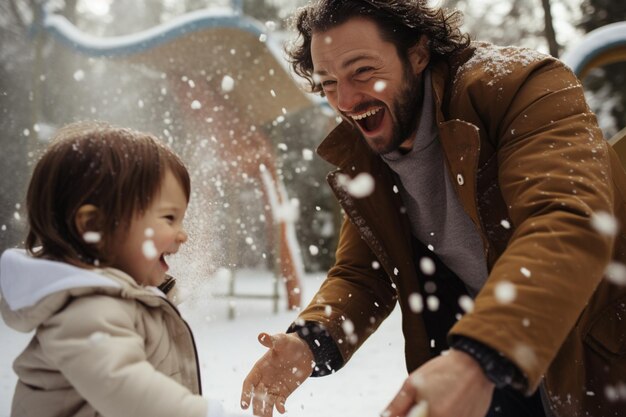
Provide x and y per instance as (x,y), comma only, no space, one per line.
(459,179)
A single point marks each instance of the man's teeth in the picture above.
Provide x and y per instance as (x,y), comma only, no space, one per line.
(366,114)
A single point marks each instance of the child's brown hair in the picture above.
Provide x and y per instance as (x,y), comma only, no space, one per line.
(117,170)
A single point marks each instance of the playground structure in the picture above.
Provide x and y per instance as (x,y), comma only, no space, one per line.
(603,46)
(219,61)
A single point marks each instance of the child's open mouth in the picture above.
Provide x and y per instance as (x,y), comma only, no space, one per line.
(163,263)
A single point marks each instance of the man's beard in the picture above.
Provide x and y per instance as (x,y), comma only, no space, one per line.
(404,112)
(406,107)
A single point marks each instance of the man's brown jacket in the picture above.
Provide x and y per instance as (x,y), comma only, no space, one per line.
(532,170)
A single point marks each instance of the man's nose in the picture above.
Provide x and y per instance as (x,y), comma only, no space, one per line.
(347,97)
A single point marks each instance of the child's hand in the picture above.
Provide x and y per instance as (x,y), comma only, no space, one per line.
(282,369)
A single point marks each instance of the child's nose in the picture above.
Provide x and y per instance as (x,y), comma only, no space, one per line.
(182,236)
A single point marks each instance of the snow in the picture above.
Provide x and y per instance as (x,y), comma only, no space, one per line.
(499,61)
(616,273)
(64,30)
(605,223)
(227,350)
(148,249)
(505,292)
(427,265)
(380,86)
(91,237)
(360,186)
(228,83)
(593,44)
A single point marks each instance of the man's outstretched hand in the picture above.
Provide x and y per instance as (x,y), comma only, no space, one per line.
(281,370)
(451,385)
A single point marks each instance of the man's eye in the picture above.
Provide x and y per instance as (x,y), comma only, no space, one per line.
(363,70)
(328,83)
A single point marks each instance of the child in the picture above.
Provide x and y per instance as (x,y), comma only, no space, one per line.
(105,208)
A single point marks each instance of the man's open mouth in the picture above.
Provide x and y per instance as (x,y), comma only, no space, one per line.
(370,120)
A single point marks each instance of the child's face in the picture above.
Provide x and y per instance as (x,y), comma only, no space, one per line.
(153,234)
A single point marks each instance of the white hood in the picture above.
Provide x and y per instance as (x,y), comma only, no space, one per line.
(25,281)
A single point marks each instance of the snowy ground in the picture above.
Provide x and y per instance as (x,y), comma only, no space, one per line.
(228,348)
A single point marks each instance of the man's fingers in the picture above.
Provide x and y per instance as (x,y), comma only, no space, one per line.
(280,404)
(419,410)
(266,340)
(263,402)
(246,397)
(247,390)
(402,402)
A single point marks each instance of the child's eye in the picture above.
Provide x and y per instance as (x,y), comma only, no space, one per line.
(170,218)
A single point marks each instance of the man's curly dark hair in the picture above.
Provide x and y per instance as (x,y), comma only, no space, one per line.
(401,22)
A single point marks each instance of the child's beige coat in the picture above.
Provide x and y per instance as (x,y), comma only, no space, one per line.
(103,345)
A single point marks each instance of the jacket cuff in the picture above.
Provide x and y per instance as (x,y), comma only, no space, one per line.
(498,369)
(326,354)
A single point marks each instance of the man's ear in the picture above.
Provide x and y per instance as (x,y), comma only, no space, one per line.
(87,219)
(419,55)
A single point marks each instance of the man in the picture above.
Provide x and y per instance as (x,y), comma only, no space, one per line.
(492,183)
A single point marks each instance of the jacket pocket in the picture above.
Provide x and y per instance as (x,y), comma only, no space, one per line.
(607,333)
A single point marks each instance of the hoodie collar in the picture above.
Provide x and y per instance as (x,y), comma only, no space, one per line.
(25,280)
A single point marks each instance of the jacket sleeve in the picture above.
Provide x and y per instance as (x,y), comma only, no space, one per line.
(554,175)
(356,296)
(94,344)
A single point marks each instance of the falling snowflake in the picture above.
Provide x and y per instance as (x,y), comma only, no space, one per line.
(616,273)
(228,83)
(288,212)
(427,266)
(380,86)
(92,237)
(416,303)
(432,302)
(604,223)
(348,328)
(505,292)
(466,303)
(360,186)
(196,105)
(148,249)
